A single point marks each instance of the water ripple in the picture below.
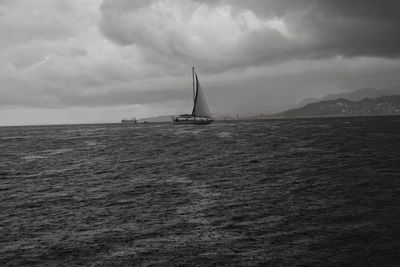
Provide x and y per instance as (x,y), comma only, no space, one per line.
(311,192)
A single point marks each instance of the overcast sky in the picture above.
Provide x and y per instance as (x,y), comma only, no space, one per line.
(78,61)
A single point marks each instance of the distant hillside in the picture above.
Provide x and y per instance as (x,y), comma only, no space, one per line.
(164,118)
(355,95)
(383,105)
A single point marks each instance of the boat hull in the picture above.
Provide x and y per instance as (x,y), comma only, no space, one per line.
(192,120)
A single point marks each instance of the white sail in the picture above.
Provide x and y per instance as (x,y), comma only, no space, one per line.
(200,108)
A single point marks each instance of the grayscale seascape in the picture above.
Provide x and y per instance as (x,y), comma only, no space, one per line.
(199,133)
(311,192)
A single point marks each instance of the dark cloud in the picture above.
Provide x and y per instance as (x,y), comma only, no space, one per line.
(318,29)
(340,27)
(354,28)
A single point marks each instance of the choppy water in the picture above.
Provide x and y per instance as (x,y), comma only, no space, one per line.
(281,192)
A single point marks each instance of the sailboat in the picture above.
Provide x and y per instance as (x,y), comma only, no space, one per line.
(200,113)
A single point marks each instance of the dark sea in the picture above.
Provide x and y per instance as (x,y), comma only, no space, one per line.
(301,192)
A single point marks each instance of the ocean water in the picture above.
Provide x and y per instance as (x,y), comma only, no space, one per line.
(302,192)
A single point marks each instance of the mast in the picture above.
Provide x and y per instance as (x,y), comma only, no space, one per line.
(194,93)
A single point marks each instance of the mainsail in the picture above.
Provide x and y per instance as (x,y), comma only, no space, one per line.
(200,107)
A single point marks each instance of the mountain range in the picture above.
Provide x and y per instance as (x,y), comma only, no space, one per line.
(383,105)
(355,95)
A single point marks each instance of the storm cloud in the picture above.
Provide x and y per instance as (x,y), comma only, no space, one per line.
(252,56)
(234,34)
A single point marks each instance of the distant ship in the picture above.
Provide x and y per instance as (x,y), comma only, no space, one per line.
(131,120)
(200,113)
